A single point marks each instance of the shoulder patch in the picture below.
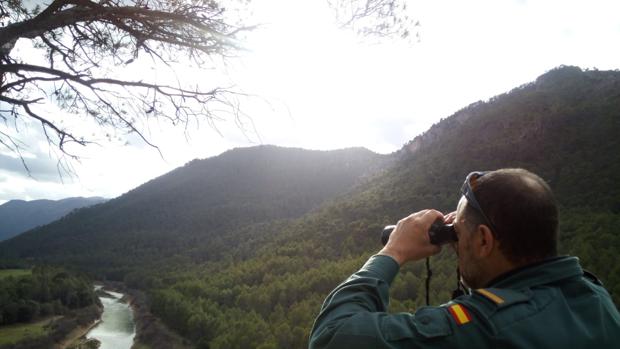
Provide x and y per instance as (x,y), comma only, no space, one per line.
(459,313)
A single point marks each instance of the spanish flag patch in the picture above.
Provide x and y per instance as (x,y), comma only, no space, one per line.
(460,314)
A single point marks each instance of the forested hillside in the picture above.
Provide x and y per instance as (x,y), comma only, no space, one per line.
(564,126)
(17,216)
(264,283)
(193,209)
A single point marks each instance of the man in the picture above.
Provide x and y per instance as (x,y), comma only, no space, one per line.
(523,294)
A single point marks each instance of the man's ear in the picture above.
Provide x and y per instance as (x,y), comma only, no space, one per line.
(485,241)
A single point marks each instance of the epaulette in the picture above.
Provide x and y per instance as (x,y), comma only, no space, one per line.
(503,297)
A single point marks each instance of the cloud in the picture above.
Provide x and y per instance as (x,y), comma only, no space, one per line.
(39,168)
(39,156)
(16,186)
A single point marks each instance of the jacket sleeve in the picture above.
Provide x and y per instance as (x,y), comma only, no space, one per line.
(354,315)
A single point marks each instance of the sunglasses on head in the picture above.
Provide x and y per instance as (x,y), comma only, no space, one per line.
(468,191)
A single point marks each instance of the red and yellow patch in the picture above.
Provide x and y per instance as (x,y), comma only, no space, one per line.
(460,314)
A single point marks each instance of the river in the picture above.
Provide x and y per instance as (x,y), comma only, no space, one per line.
(117,328)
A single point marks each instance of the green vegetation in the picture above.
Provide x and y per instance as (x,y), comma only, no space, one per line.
(15,273)
(233,253)
(39,307)
(210,200)
(16,333)
(44,291)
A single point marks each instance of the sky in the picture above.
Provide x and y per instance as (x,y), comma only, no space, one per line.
(317,86)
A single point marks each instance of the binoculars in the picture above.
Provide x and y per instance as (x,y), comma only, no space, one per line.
(439,233)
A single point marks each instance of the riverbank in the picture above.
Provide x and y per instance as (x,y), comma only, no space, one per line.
(77,337)
(151,333)
(56,331)
(74,328)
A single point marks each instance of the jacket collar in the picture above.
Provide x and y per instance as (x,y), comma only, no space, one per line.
(539,273)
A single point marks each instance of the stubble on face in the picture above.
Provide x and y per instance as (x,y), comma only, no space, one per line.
(469,266)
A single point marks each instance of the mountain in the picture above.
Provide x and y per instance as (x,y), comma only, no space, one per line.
(229,281)
(196,205)
(17,216)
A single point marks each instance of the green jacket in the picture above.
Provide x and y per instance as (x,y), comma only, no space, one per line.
(547,305)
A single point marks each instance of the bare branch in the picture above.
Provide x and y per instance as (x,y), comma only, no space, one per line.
(14,147)
(83,41)
(64,136)
(375,18)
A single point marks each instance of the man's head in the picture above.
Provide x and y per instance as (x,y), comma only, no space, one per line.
(514,223)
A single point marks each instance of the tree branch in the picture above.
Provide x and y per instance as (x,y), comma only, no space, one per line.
(84,40)
(64,136)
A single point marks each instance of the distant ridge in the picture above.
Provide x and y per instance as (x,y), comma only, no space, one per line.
(198,204)
(18,216)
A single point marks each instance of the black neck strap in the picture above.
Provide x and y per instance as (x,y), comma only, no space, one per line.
(429,274)
(458,291)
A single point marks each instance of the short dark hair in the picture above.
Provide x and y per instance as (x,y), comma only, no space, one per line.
(521,207)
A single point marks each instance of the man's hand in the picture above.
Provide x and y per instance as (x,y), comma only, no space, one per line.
(449,218)
(409,241)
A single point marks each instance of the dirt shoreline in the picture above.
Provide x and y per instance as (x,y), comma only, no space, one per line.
(150,332)
(77,334)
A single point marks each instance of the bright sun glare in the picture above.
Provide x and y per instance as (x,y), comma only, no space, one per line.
(320,87)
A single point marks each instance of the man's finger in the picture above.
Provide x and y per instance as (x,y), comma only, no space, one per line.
(432,216)
(450,217)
